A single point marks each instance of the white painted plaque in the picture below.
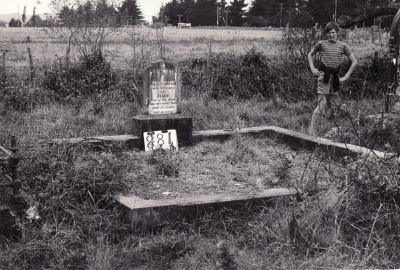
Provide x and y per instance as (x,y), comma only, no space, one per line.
(163,138)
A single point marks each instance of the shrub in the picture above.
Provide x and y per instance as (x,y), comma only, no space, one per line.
(243,77)
(369,80)
(225,74)
(240,151)
(165,162)
(258,21)
(92,76)
(18,93)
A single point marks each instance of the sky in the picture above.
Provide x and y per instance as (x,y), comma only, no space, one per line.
(148,7)
(11,6)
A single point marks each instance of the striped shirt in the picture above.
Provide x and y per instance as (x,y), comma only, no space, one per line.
(332,53)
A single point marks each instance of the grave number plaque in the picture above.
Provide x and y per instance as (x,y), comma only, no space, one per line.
(165,139)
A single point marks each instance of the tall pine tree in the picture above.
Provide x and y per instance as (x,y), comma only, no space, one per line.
(134,12)
(12,23)
(205,13)
(236,12)
(188,7)
(24,15)
(172,10)
(258,8)
(34,17)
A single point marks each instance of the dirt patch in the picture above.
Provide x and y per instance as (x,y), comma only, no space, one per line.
(242,164)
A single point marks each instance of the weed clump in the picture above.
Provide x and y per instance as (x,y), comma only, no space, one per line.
(165,162)
(240,151)
(282,171)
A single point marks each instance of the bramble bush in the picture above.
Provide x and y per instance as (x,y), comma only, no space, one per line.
(91,76)
(90,79)
(370,79)
(227,74)
(20,93)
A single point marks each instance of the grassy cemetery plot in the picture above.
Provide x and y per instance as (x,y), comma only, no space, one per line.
(243,164)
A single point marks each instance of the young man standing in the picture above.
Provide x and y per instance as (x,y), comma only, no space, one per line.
(332,52)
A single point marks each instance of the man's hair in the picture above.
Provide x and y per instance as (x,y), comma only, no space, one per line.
(331,26)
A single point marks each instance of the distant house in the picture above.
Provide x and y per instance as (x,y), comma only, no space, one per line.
(34,21)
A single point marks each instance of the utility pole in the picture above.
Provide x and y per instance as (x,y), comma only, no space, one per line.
(335,9)
(281,13)
(226,18)
(179,20)
(162,18)
(217,16)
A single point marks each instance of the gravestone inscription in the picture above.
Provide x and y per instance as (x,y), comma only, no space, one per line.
(161,88)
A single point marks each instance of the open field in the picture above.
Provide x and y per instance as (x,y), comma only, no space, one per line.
(19,34)
(180,44)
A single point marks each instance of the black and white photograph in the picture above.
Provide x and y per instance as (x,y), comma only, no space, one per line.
(200,134)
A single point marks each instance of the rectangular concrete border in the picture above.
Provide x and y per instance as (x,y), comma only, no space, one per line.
(144,214)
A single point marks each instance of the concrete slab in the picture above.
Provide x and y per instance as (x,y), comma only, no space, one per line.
(143,214)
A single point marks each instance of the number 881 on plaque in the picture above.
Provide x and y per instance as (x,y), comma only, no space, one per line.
(165,139)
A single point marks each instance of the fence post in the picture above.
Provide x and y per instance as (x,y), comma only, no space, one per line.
(67,57)
(30,63)
(4,65)
(392,74)
(18,199)
(8,222)
(372,35)
(379,33)
(10,169)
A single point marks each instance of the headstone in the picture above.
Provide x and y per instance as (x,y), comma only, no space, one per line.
(161,88)
(160,104)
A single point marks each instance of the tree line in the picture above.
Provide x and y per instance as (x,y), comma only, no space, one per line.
(35,20)
(275,13)
(261,13)
(98,12)
(89,12)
